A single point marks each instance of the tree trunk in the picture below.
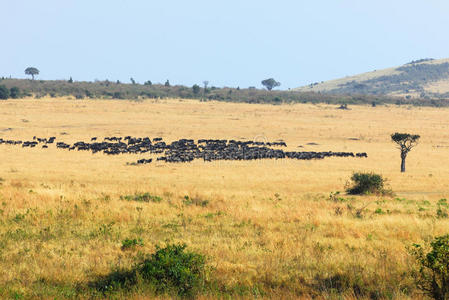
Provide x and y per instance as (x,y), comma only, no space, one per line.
(403,163)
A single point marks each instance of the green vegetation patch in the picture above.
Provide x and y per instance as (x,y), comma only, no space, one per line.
(367,183)
(170,270)
(142,197)
(432,275)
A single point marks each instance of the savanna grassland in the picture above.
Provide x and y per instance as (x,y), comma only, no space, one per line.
(267,228)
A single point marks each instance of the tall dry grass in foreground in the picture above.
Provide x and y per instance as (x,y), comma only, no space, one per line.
(268,228)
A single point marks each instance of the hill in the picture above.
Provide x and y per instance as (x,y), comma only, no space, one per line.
(424,78)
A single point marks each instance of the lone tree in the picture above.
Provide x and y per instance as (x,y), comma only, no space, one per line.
(270,83)
(31,71)
(405,143)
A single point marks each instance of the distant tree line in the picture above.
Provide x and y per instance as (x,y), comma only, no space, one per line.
(105,89)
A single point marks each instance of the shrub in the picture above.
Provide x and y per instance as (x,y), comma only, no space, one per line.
(441,213)
(4,92)
(197,201)
(142,197)
(14,92)
(366,183)
(433,273)
(131,243)
(196,89)
(118,95)
(171,270)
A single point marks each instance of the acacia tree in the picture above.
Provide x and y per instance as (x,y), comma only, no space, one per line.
(405,142)
(270,83)
(31,71)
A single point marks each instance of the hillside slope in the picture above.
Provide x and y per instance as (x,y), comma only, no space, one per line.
(421,78)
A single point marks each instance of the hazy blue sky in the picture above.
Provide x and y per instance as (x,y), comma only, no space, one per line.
(230,43)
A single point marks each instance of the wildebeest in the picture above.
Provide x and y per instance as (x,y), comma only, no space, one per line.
(186,150)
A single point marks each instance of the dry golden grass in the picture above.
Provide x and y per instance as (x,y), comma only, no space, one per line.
(269,226)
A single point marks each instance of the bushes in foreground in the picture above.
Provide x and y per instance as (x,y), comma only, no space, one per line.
(170,270)
(433,273)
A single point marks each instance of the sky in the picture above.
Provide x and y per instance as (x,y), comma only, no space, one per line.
(229,43)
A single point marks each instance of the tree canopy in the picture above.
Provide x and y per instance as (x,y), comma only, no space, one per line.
(405,141)
(31,71)
(270,83)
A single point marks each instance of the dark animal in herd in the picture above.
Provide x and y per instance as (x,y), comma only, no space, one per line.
(185,150)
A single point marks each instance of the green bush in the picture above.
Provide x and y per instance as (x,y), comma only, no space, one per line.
(173,269)
(118,95)
(131,243)
(141,197)
(170,270)
(4,92)
(432,276)
(196,89)
(442,213)
(366,183)
(14,92)
(197,201)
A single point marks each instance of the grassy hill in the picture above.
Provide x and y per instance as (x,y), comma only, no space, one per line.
(425,78)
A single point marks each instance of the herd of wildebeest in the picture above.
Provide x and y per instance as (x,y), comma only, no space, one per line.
(183,150)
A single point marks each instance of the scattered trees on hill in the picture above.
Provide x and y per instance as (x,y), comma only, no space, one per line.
(405,142)
(270,83)
(167,83)
(31,71)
